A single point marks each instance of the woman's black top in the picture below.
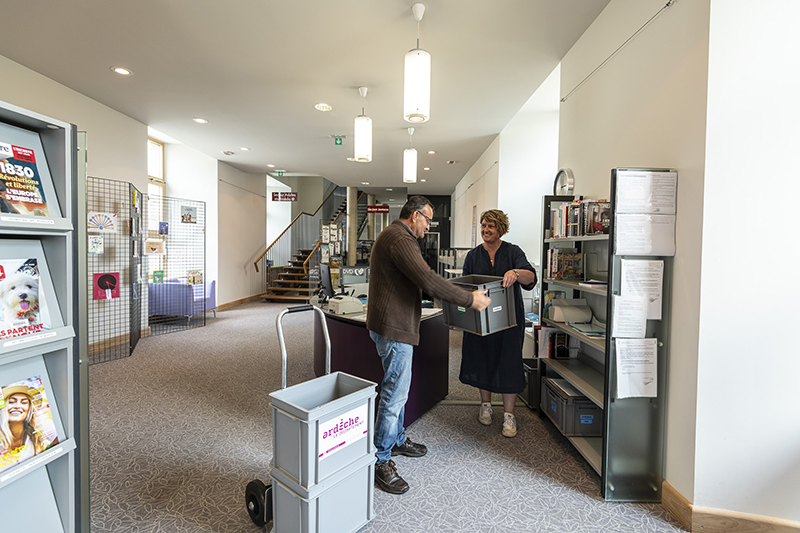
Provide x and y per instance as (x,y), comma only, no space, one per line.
(494,362)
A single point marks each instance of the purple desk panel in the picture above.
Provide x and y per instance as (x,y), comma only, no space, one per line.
(353,352)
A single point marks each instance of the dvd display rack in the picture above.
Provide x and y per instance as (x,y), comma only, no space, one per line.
(628,455)
(39,346)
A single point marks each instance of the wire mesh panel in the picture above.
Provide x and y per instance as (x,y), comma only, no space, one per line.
(109,268)
(174,258)
(137,230)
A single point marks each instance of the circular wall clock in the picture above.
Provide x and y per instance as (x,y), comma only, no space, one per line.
(564,183)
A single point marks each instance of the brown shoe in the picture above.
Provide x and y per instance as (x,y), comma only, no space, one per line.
(387,479)
(410,449)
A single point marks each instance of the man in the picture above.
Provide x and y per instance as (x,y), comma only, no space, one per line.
(398,275)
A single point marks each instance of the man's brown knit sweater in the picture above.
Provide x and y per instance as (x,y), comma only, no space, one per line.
(397,276)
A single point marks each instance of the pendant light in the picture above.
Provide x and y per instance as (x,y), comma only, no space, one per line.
(363,134)
(417,84)
(410,161)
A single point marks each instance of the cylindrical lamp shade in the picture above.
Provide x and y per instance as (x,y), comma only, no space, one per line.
(417,87)
(410,165)
(363,139)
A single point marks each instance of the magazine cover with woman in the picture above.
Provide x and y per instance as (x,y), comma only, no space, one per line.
(26,422)
(23,310)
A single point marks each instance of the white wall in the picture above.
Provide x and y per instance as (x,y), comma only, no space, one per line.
(478,188)
(117,144)
(528,165)
(242,232)
(279,216)
(193,175)
(647,107)
(748,426)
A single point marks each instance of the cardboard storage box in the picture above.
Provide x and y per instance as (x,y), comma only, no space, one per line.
(572,412)
(498,316)
(530,395)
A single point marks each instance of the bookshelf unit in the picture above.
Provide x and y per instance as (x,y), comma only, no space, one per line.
(628,456)
(45,359)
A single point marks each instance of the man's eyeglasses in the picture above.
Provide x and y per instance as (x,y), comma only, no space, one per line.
(426,217)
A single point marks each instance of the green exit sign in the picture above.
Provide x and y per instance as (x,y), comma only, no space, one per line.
(280,173)
(337,141)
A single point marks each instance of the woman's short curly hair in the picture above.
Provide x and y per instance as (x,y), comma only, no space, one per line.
(499,218)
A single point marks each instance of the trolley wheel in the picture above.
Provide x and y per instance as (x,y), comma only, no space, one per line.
(258,498)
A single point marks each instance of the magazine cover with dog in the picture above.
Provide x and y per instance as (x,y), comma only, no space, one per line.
(21,191)
(26,422)
(20,295)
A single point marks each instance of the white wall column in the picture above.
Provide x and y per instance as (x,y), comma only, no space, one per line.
(352,224)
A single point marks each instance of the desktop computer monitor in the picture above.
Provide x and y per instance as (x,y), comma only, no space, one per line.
(325,280)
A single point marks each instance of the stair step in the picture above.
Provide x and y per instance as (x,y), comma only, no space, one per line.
(297,282)
(289,289)
(293,275)
(284,298)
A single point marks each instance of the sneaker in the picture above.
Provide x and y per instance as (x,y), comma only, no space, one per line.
(485,414)
(410,449)
(387,479)
(509,425)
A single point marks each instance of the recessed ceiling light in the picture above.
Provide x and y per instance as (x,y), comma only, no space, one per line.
(364,183)
(244,149)
(388,189)
(451,162)
(200,120)
(423,180)
(271,166)
(122,71)
(322,106)
(426,168)
(391,199)
(228,152)
(431,152)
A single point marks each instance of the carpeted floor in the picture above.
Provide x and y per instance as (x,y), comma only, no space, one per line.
(179,428)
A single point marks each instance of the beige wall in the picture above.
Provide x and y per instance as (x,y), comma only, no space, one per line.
(242,232)
(477,188)
(647,107)
(116,143)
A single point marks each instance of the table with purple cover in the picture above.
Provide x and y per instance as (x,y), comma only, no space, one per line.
(353,352)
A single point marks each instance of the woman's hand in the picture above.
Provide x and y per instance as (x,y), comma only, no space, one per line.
(510,278)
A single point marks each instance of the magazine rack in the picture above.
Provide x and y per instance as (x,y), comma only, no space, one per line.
(628,455)
(39,487)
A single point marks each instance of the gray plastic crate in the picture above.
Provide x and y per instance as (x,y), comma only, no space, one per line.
(572,412)
(498,316)
(320,427)
(530,394)
(344,504)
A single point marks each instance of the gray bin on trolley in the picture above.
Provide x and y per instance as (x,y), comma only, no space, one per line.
(323,453)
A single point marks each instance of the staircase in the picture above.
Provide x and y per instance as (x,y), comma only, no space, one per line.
(296,282)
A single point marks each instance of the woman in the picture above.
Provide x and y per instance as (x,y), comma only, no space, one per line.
(19,438)
(494,363)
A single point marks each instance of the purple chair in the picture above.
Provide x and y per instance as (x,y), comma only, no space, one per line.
(210,296)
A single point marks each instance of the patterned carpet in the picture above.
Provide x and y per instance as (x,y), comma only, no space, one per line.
(179,428)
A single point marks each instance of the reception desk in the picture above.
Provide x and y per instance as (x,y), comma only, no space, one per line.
(353,352)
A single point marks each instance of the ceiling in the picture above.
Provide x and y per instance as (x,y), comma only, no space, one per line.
(255,69)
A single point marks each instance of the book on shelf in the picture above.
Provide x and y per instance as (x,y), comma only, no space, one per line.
(563,263)
(26,422)
(21,187)
(24,310)
(596,217)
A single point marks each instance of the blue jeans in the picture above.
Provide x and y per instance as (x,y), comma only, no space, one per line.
(396,358)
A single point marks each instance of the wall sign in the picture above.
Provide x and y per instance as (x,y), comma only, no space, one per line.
(284,196)
(377,209)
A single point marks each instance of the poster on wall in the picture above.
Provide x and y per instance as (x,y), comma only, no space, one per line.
(194,277)
(96,244)
(21,191)
(188,214)
(98,222)
(326,234)
(24,405)
(153,247)
(163,228)
(324,253)
(158,276)
(106,286)
(23,307)
(334,233)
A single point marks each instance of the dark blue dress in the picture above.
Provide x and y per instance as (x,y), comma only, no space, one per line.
(494,362)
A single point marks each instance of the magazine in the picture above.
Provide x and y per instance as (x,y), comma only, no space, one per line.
(195,277)
(21,191)
(21,299)
(26,422)
(158,276)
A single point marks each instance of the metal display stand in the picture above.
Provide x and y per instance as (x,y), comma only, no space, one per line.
(42,491)
(629,456)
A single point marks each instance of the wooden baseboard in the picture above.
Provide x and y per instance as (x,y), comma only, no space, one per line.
(97,347)
(228,305)
(706,520)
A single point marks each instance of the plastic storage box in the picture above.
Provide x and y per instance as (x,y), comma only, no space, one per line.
(573,413)
(498,316)
(530,395)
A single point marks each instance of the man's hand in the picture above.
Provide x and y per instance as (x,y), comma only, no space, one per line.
(480,301)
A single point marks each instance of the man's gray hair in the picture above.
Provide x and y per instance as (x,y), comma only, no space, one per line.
(415,203)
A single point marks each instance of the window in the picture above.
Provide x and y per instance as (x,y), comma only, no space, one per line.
(155,167)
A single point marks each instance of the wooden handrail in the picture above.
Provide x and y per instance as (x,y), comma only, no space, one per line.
(255,263)
(314,249)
